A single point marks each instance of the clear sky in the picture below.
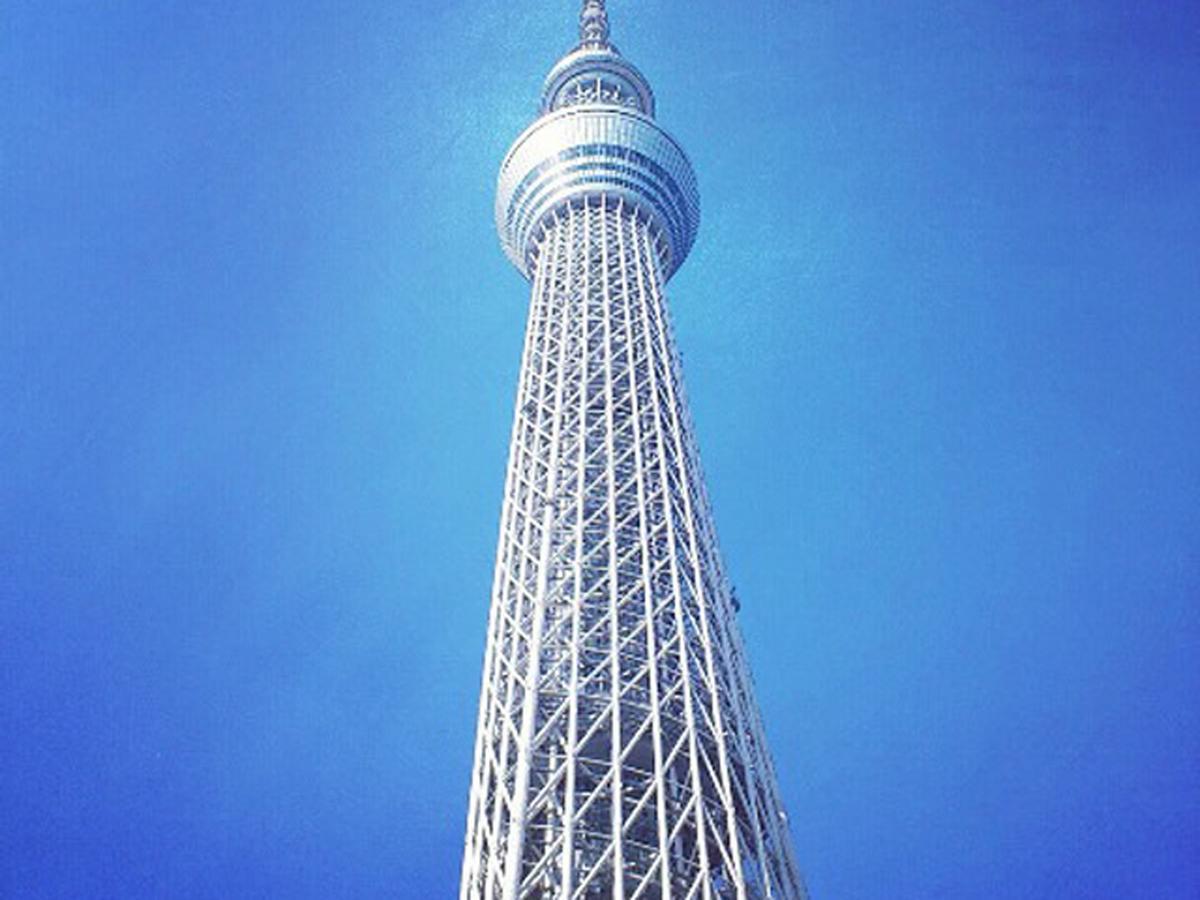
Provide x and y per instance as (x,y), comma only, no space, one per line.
(259,346)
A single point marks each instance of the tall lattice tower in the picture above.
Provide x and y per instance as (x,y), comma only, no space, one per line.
(619,751)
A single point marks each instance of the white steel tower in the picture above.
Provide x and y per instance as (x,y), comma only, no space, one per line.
(619,751)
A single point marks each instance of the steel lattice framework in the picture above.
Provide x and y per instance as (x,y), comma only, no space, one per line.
(620,753)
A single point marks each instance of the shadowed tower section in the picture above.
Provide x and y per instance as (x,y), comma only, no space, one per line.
(619,751)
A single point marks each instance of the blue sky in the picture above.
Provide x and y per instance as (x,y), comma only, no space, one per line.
(258,349)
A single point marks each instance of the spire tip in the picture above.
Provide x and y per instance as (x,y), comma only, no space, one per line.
(593,24)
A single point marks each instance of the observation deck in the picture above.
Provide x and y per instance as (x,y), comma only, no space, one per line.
(596,137)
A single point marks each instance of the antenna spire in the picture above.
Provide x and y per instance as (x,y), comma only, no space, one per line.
(593,25)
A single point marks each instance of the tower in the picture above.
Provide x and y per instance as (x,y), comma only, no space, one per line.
(619,751)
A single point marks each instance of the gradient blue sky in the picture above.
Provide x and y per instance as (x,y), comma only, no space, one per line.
(258,349)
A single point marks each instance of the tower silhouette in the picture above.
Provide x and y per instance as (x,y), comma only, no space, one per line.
(619,751)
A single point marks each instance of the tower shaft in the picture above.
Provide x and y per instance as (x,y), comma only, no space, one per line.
(619,751)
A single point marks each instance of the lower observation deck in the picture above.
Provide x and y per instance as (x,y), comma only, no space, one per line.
(581,152)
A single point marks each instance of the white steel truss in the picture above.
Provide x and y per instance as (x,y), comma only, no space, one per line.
(619,751)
